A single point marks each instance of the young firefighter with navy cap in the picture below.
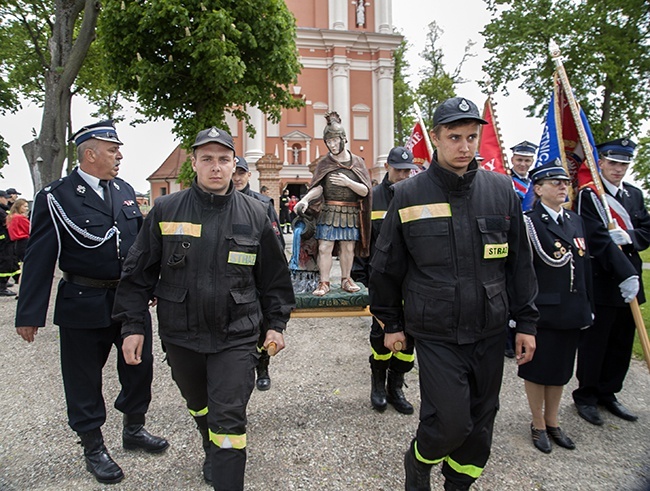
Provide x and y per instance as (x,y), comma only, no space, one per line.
(523,155)
(605,349)
(211,257)
(452,261)
(384,364)
(87,221)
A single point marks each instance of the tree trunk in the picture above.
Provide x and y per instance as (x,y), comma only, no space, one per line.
(47,152)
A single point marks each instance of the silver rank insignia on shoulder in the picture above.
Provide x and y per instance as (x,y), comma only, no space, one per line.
(47,188)
(81,189)
(116,185)
(213,132)
(463,106)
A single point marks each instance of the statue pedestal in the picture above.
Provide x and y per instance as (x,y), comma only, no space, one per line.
(336,303)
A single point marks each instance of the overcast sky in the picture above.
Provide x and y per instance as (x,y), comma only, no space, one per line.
(147,146)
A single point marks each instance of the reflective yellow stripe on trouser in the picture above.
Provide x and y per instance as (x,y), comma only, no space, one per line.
(198,414)
(468,469)
(228,441)
(399,355)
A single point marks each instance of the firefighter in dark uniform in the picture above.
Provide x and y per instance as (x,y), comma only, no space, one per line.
(383,362)
(285,218)
(565,301)
(210,257)
(451,262)
(87,222)
(523,155)
(240,179)
(606,348)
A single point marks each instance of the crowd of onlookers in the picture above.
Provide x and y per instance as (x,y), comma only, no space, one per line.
(14,232)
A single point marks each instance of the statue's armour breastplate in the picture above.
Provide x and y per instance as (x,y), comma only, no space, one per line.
(331,192)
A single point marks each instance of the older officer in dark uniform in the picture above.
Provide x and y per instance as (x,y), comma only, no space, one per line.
(383,361)
(241,179)
(606,348)
(88,221)
(564,301)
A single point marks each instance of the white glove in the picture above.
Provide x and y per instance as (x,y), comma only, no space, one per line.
(620,236)
(629,288)
(300,207)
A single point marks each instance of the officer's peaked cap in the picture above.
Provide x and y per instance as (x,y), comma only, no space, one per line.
(104,130)
(620,150)
(549,170)
(525,148)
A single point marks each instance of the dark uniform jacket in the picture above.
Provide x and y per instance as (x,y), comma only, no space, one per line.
(215,266)
(382,194)
(66,214)
(565,299)
(452,259)
(611,264)
(270,211)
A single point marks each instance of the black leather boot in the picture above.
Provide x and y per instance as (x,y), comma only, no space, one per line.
(395,395)
(134,436)
(378,387)
(263,379)
(98,462)
(418,474)
(202,425)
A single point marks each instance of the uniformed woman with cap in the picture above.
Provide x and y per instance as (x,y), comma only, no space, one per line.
(561,262)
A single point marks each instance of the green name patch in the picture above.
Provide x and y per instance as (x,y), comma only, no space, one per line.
(495,251)
(242,258)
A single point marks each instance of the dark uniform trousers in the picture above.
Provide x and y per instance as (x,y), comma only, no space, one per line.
(460,398)
(383,358)
(83,355)
(229,377)
(604,355)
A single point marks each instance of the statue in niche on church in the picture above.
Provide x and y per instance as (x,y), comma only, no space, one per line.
(361,13)
(295,150)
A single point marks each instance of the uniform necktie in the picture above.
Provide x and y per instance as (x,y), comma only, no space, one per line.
(560,221)
(107,192)
(619,195)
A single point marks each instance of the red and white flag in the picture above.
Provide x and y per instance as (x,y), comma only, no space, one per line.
(419,143)
(489,146)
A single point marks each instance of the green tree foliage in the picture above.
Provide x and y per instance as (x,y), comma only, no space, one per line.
(606,52)
(437,84)
(403,96)
(641,165)
(43,46)
(191,61)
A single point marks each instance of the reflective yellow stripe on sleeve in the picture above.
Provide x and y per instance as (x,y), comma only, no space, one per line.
(199,413)
(180,228)
(228,441)
(420,212)
(378,215)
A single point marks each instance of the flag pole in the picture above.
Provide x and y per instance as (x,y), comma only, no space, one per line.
(554,50)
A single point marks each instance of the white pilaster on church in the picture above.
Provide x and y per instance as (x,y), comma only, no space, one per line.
(254,145)
(384,111)
(340,73)
(383,16)
(284,152)
(338,12)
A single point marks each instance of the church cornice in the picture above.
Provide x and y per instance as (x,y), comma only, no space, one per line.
(312,38)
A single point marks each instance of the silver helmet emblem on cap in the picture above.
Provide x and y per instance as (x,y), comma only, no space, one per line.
(405,156)
(213,132)
(463,106)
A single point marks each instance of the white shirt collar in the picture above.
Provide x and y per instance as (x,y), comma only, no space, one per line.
(92,181)
(613,190)
(554,214)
